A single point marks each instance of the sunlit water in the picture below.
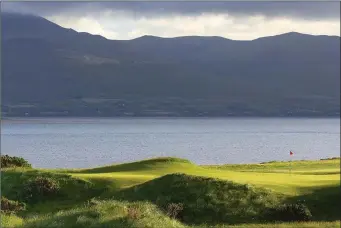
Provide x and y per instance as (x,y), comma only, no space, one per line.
(90,142)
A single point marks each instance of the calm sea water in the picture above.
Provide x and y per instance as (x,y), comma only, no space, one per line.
(89,142)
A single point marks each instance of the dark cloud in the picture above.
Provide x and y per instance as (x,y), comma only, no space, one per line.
(304,10)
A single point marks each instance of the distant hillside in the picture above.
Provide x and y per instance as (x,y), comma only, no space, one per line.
(50,70)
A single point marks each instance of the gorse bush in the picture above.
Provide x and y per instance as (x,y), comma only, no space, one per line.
(289,213)
(10,206)
(8,162)
(41,188)
(174,209)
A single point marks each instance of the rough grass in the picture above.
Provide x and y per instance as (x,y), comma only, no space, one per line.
(323,202)
(72,190)
(335,224)
(317,183)
(10,220)
(205,200)
(109,213)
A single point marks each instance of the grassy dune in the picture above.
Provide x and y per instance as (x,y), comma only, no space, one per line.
(137,194)
(305,177)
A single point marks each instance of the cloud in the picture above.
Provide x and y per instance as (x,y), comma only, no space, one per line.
(208,24)
(234,20)
(305,10)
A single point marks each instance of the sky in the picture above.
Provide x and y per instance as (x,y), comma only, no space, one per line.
(233,20)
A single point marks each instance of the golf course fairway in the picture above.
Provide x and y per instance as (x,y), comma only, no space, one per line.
(138,194)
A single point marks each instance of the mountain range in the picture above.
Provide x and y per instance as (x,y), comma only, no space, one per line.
(50,70)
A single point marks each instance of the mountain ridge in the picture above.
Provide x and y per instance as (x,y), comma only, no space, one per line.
(14,14)
(59,70)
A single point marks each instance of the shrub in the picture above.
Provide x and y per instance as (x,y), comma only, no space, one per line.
(133,212)
(289,212)
(332,158)
(8,161)
(10,206)
(41,188)
(174,209)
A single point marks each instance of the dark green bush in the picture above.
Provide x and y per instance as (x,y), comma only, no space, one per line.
(289,213)
(41,188)
(10,206)
(8,161)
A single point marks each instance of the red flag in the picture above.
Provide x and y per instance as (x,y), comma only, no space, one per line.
(291,153)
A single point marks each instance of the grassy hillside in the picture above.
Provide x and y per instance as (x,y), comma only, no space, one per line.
(172,192)
(204,200)
(305,176)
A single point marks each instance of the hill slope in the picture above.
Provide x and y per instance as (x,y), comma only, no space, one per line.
(57,70)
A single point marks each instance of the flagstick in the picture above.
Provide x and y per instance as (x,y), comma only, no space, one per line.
(290,163)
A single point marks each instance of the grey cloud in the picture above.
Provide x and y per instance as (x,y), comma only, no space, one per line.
(304,10)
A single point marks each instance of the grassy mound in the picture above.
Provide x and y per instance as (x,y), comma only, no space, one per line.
(33,186)
(144,165)
(129,174)
(204,200)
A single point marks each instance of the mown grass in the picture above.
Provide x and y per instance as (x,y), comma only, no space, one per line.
(136,194)
(298,167)
(156,164)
